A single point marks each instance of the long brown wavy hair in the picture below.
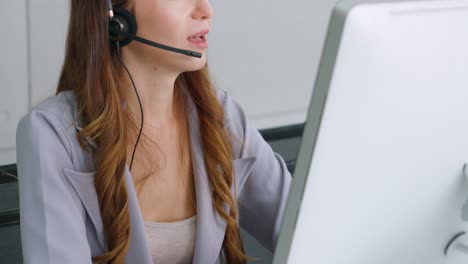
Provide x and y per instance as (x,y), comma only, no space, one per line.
(91,69)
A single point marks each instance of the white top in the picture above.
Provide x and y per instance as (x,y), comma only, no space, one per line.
(172,242)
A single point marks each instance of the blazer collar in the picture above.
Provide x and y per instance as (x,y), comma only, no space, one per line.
(210,226)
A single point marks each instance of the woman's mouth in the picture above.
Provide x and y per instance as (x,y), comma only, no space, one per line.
(199,39)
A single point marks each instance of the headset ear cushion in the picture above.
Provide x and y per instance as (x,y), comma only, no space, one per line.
(129,26)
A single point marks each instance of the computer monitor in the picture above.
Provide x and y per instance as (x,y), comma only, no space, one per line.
(379,177)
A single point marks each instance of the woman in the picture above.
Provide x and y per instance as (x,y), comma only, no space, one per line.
(197,170)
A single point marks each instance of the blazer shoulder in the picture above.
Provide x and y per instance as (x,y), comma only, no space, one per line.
(56,112)
(58,108)
(236,123)
(234,116)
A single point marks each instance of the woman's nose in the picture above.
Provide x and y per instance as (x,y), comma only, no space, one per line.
(203,10)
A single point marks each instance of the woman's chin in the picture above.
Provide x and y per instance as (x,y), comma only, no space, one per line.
(195,65)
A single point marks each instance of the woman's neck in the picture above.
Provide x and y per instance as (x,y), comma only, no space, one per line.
(155,86)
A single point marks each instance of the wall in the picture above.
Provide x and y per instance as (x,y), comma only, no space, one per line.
(264,52)
(30,60)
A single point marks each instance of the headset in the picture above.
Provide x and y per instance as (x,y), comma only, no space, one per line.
(122,30)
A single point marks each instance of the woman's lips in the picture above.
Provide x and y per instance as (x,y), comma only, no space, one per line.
(199,39)
(200,42)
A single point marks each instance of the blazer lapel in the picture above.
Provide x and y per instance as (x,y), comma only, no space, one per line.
(83,183)
(210,226)
(242,169)
(139,250)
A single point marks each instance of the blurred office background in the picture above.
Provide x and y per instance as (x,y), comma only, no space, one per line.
(265,53)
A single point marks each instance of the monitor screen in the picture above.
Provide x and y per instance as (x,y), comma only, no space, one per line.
(380,174)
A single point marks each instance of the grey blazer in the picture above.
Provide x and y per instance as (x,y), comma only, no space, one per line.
(59,210)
